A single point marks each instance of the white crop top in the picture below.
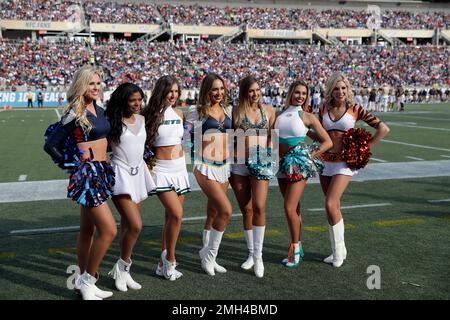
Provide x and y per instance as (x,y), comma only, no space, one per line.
(130,150)
(347,121)
(170,131)
(290,125)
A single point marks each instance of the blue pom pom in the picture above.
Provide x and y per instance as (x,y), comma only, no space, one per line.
(71,154)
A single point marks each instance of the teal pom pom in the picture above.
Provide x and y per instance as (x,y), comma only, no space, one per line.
(262,168)
(298,165)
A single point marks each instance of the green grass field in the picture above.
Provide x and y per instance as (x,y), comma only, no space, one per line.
(407,238)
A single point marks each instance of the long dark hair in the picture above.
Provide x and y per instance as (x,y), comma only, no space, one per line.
(154,111)
(117,108)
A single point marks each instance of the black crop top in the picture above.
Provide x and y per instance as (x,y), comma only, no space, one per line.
(212,123)
(68,127)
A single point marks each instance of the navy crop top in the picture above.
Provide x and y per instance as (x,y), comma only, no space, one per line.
(212,123)
(68,127)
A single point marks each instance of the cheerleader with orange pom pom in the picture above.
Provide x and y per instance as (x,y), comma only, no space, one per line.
(350,152)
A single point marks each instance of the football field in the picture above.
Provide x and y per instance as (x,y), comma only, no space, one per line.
(396,212)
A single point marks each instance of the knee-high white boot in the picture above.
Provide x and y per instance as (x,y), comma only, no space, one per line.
(209,253)
(217,267)
(339,251)
(248,264)
(258,240)
(329,259)
(121,273)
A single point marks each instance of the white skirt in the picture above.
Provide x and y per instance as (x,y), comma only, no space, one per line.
(136,183)
(335,168)
(219,173)
(240,169)
(170,175)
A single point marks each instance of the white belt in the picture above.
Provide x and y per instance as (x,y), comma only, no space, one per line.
(133,170)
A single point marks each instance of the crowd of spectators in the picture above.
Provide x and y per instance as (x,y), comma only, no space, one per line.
(298,19)
(43,63)
(104,11)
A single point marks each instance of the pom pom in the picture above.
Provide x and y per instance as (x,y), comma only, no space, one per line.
(149,157)
(356,150)
(260,163)
(298,165)
(91,184)
(68,148)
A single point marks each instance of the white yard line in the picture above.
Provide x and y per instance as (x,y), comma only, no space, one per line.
(22,177)
(415,145)
(445,156)
(414,158)
(76,228)
(439,201)
(57,114)
(414,126)
(357,206)
(377,160)
(426,118)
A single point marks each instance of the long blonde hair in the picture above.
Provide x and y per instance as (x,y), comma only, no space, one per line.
(331,84)
(204,100)
(76,92)
(290,93)
(244,101)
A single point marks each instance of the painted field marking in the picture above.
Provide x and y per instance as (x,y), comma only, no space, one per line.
(76,228)
(57,114)
(22,177)
(7,255)
(415,145)
(377,160)
(189,239)
(193,239)
(324,228)
(357,206)
(415,126)
(423,118)
(152,242)
(439,200)
(398,222)
(414,158)
(62,250)
(22,120)
(445,156)
(240,234)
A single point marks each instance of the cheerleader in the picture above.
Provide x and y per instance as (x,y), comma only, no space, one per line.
(133,180)
(251,186)
(212,118)
(164,125)
(91,178)
(337,115)
(297,162)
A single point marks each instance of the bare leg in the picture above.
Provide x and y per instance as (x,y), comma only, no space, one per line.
(85,238)
(131,224)
(107,230)
(174,214)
